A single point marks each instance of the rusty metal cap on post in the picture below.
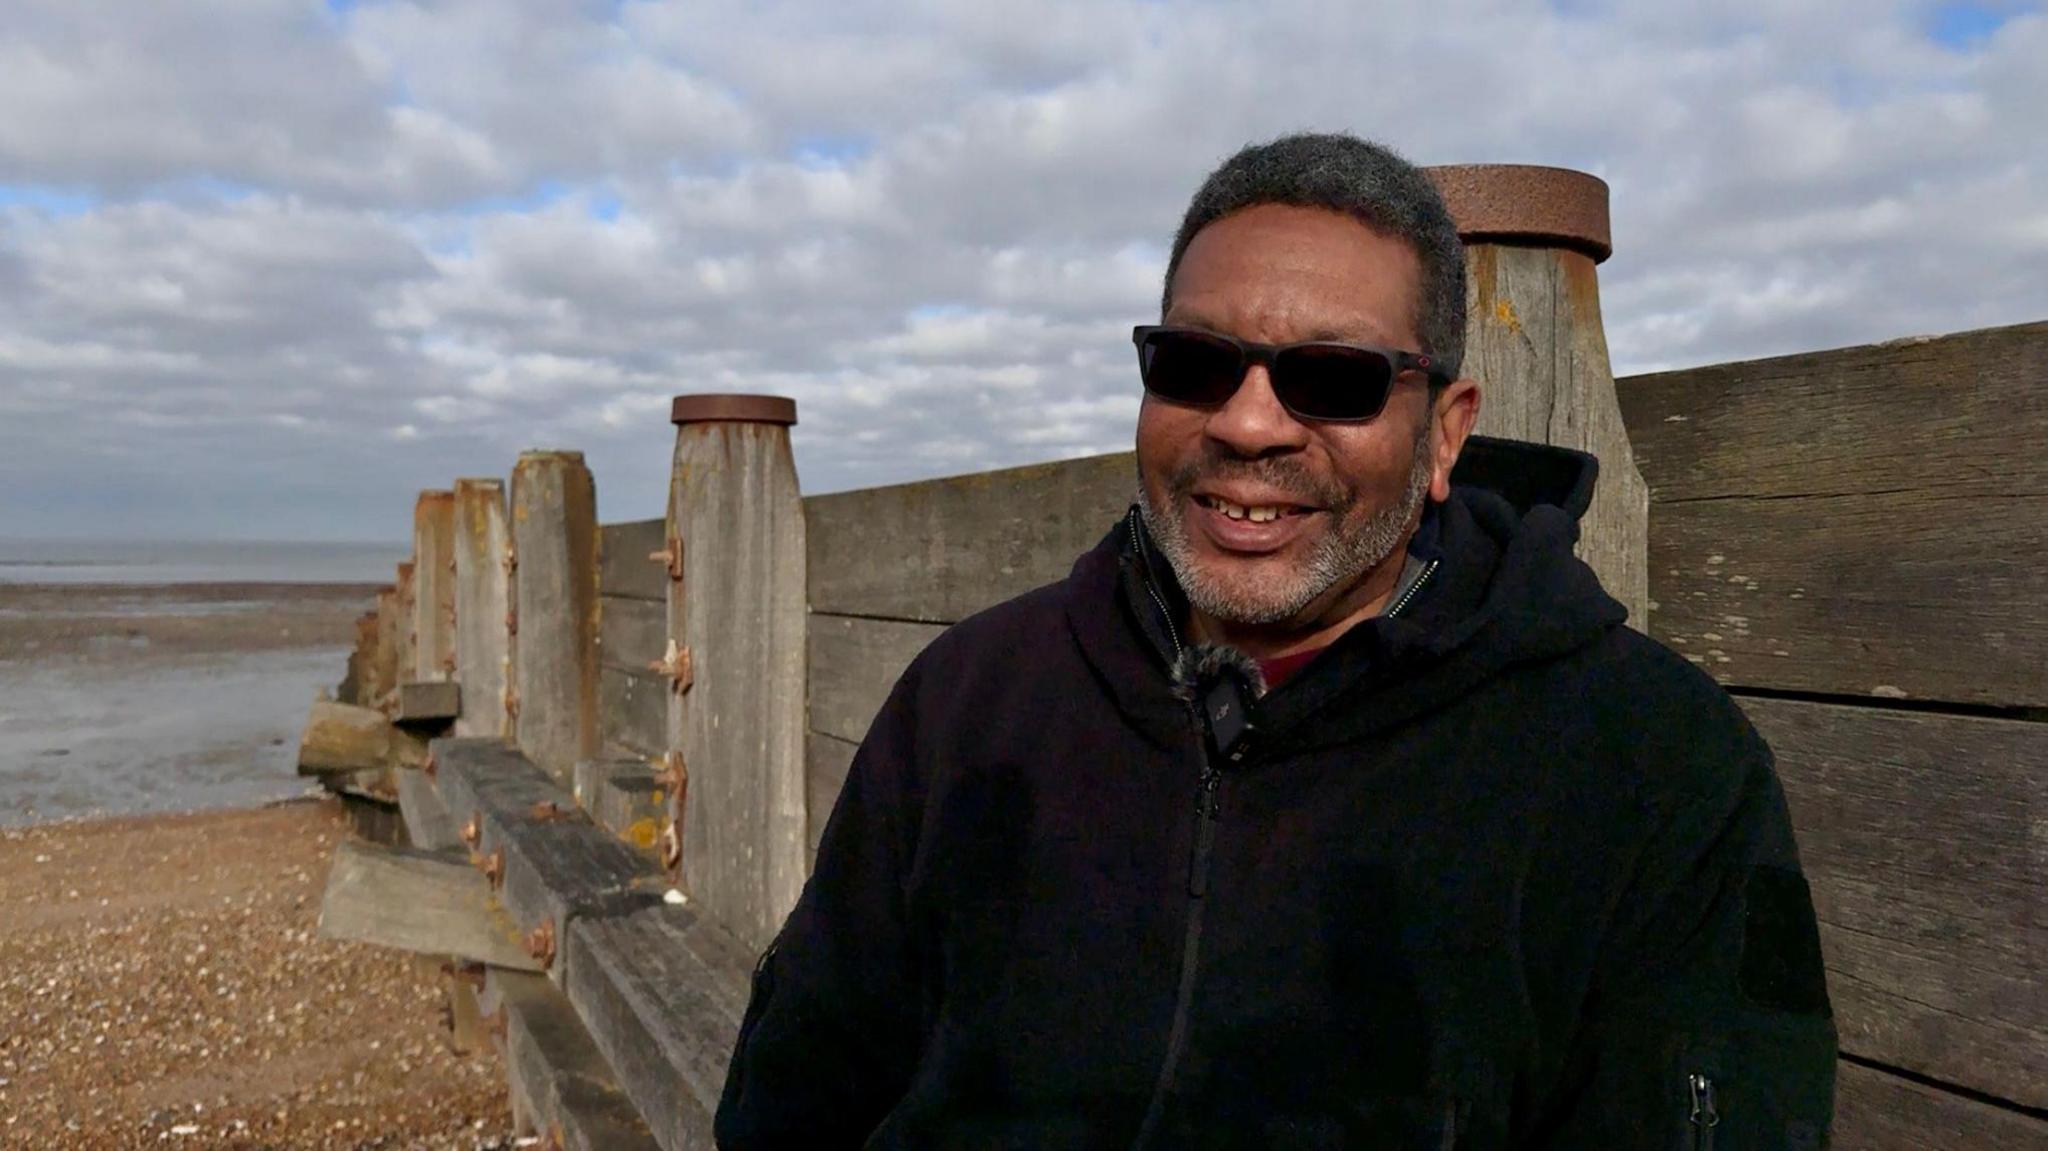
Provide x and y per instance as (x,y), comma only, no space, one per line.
(699,409)
(1527,204)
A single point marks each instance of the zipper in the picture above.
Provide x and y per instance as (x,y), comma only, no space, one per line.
(1408,597)
(1208,808)
(1704,1116)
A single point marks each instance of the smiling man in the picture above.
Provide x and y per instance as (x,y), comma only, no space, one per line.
(1327,803)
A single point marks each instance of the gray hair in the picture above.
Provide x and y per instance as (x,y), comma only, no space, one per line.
(1366,181)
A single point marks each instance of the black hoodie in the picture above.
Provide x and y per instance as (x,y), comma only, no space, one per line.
(1492,872)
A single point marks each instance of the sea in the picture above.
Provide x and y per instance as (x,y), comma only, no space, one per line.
(91,737)
(46,561)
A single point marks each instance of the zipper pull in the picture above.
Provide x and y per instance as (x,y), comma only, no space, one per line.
(1205,832)
(1704,1117)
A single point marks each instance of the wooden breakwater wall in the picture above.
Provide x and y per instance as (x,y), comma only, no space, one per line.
(1850,541)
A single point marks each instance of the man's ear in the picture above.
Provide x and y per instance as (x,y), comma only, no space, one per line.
(1457,409)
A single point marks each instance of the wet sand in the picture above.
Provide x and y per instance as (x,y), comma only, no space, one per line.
(161,984)
(125,699)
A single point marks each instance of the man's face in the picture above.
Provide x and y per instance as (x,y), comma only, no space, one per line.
(1349,493)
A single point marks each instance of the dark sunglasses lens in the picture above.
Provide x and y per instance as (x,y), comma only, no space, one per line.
(1328,382)
(1190,368)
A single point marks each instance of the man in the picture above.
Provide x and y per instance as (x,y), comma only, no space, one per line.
(1327,803)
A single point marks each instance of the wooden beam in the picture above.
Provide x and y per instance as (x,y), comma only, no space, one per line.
(1920,834)
(427,822)
(941,550)
(826,762)
(633,710)
(433,552)
(854,664)
(739,613)
(483,605)
(554,533)
(553,863)
(626,797)
(415,901)
(632,634)
(1857,522)
(662,992)
(341,739)
(573,1096)
(428,703)
(1875,1111)
(624,569)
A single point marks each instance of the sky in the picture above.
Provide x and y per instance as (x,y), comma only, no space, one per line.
(269,268)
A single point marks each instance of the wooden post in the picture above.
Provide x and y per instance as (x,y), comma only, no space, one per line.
(408,646)
(554,612)
(737,622)
(389,646)
(483,603)
(1534,341)
(433,553)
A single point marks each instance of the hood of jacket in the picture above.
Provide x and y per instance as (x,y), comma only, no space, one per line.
(1506,590)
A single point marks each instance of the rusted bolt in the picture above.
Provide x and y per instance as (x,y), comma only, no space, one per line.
(511,623)
(511,561)
(494,868)
(473,831)
(511,704)
(540,944)
(547,811)
(675,666)
(448,664)
(675,774)
(670,556)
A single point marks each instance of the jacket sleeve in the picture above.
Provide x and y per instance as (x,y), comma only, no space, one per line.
(832,1031)
(1707,1023)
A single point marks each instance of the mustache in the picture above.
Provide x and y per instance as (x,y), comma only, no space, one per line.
(1288,474)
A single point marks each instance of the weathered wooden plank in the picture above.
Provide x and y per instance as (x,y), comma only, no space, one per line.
(624,569)
(1534,341)
(941,550)
(549,1058)
(625,797)
(358,683)
(424,703)
(854,665)
(734,505)
(483,606)
(1856,522)
(554,864)
(662,992)
(403,898)
(554,666)
(633,710)
(1879,1112)
(340,739)
(383,676)
(405,621)
(433,552)
(1920,834)
(826,762)
(427,822)
(632,633)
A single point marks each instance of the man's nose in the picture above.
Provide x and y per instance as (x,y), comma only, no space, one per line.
(1252,422)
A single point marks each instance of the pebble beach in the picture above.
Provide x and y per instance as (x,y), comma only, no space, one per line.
(162,981)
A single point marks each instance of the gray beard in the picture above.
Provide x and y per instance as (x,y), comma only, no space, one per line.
(1341,557)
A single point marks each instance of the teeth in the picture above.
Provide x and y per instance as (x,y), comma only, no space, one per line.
(1260,515)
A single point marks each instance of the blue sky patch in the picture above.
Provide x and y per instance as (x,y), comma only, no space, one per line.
(1966,24)
(45,198)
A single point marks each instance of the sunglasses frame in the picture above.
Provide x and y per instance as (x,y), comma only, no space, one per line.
(1248,354)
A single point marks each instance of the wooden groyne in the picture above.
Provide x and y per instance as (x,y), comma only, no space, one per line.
(613,755)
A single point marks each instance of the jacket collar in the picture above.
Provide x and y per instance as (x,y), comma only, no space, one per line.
(1507,589)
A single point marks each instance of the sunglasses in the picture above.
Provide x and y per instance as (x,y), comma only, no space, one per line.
(1331,381)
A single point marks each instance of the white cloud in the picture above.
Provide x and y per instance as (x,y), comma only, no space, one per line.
(261,265)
